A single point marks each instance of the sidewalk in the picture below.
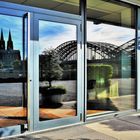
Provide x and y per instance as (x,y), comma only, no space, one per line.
(117,128)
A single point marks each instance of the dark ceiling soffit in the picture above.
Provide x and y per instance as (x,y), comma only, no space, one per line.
(99,21)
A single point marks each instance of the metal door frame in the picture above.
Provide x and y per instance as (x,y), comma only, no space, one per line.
(55,17)
(34,14)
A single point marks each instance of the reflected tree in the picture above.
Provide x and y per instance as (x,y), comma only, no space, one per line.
(52,68)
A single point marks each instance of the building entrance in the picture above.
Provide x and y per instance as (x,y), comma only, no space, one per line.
(39,70)
(56,71)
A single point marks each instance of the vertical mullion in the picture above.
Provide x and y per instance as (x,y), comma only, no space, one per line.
(84,60)
(138,59)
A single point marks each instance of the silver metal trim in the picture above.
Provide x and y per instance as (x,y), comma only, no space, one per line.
(14,129)
(11,12)
(138,60)
(38,125)
(30,74)
(84,58)
(109,115)
(44,130)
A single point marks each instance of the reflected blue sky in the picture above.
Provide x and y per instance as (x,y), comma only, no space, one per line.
(109,33)
(14,24)
(52,34)
(50,29)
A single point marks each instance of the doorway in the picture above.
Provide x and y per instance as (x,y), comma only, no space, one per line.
(57,68)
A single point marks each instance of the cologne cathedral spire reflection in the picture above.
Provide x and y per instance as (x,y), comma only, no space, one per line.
(8,55)
(10,42)
(2,42)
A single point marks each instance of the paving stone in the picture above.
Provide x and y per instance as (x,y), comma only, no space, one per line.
(118,128)
(134,119)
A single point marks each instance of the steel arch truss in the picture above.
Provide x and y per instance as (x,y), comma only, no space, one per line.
(68,50)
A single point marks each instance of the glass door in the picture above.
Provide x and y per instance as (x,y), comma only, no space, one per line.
(13,71)
(56,64)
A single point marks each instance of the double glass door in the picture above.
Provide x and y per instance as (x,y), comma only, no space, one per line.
(39,70)
(56,65)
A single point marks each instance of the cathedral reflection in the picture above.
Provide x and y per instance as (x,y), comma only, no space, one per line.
(13,81)
(10,59)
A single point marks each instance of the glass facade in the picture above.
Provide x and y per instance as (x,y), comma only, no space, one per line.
(111,69)
(13,72)
(55,48)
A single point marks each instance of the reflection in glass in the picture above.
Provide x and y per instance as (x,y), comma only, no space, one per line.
(111,69)
(12,72)
(111,61)
(57,70)
(112,12)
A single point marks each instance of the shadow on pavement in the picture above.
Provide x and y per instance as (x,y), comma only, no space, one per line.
(123,124)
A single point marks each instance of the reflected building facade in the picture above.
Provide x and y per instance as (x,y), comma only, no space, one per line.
(7,54)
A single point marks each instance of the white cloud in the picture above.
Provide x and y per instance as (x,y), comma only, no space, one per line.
(109,33)
(56,40)
(95,33)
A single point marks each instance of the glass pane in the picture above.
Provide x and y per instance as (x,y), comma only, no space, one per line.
(57,70)
(111,65)
(13,69)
